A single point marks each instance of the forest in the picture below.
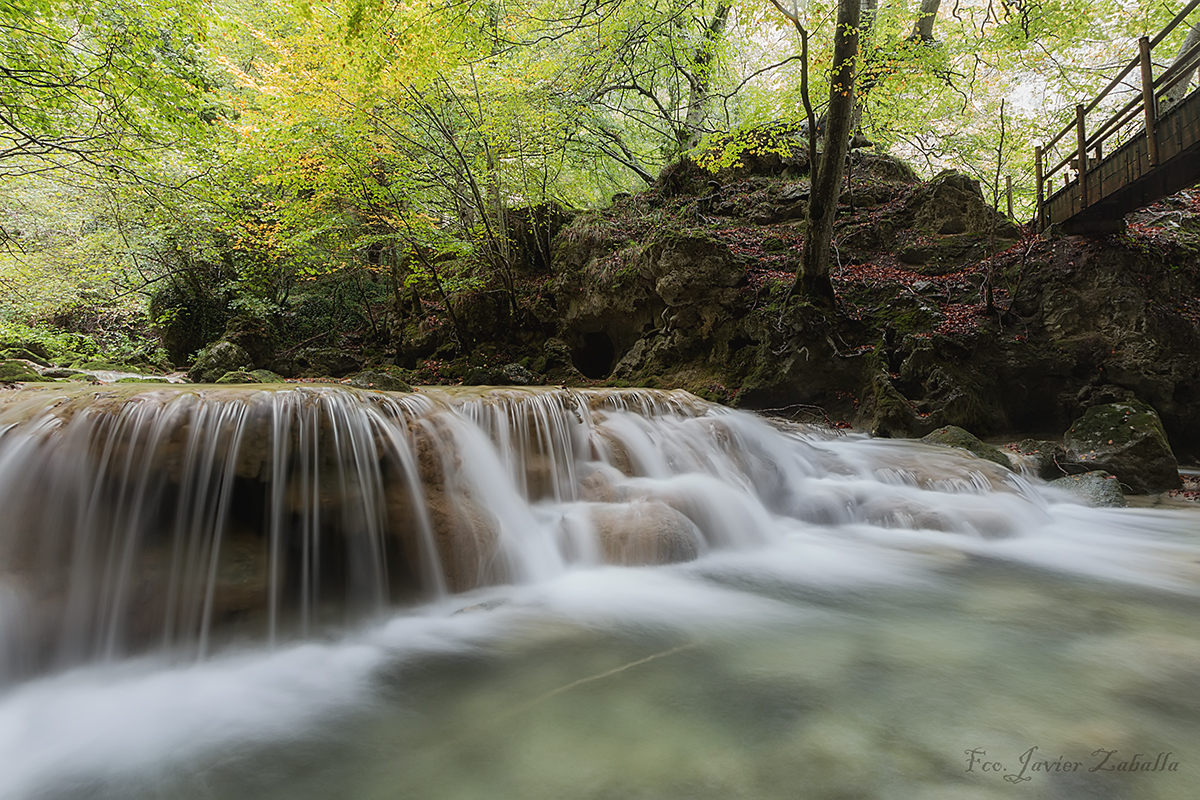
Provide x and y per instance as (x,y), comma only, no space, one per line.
(372,178)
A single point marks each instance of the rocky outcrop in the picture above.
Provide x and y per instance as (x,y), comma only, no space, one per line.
(1127,440)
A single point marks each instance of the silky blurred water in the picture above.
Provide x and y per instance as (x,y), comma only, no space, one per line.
(868,619)
(726,678)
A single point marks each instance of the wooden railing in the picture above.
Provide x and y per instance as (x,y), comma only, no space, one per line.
(1137,117)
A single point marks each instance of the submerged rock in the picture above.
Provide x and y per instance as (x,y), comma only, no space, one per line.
(951,436)
(1099,488)
(644,533)
(1126,439)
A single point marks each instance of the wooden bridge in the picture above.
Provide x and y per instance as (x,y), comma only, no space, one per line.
(1152,153)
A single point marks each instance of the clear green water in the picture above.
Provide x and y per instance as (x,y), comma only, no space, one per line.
(720,685)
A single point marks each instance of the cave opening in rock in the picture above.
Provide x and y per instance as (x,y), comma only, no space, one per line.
(595,358)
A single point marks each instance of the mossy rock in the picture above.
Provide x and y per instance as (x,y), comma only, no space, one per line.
(106,366)
(29,346)
(379,381)
(216,360)
(238,376)
(142,379)
(1098,488)
(24,354)
(1128,440)
(953,436)
(266,376)
(13,370)
(62,372)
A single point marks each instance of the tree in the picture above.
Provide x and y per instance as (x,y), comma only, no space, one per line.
(812,279)
(100,85)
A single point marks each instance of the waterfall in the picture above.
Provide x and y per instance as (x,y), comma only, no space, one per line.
(305,591)
(180,519)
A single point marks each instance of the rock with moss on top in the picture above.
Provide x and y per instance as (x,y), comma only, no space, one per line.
(238,376)
(379,381)
(952,436)
(1128,440)
(216,360)
(13,370)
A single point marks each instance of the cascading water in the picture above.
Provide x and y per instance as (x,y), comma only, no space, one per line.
(189,573)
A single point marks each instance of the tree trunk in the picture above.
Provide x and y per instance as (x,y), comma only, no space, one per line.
(812,280)
(701,78)
(1187,65)
(923,28)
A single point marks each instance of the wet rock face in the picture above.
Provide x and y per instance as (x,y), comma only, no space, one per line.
(1098,488)
(1039,457)
(1126,439)
(645,533)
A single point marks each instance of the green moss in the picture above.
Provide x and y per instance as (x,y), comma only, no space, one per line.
(111,366)
(11,371)
(238,376)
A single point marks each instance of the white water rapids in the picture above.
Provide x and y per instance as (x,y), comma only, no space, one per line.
(314,592)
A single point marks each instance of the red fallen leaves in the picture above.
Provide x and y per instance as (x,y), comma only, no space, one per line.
(961,319)
(1190,490)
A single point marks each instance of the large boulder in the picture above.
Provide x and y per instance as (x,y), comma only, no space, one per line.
(952,204)
(1126,439)
(216,360)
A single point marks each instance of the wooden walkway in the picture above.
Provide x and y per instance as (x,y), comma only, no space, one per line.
(1153,154)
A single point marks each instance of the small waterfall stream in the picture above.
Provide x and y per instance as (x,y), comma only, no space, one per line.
(187,574)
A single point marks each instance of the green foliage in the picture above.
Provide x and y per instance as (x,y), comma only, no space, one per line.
(102,85)
(780,138)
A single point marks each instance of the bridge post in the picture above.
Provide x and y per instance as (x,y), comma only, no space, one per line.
(1148,102)
(1039,179)
(1081,135)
